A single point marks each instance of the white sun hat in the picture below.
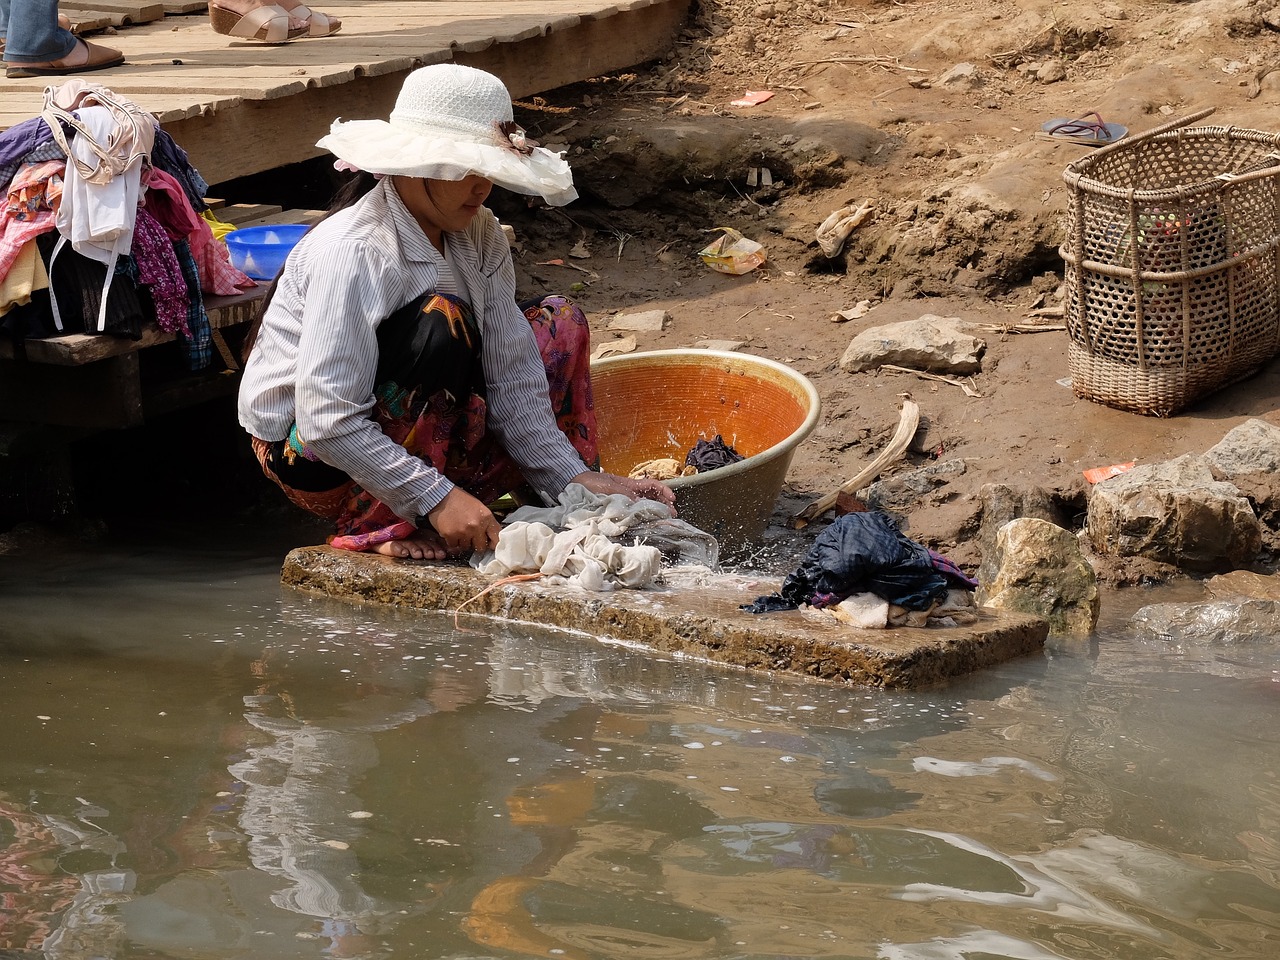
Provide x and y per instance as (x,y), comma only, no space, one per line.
(450,121)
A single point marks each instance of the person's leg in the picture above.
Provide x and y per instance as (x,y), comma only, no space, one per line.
(38,43)
(327,492)
(32,33)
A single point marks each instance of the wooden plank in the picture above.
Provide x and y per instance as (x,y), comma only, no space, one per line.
(78,349)
(237,213)
(86,21)
(304,217)
(134,12)
(104,18)
(242,108)
(174,7)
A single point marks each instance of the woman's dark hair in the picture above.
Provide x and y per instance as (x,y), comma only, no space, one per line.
(351,188)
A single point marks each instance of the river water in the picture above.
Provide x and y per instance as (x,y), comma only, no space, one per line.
(199,762)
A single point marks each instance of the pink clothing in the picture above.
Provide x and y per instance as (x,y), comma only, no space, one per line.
(217,275)
(165,200)
(30,208)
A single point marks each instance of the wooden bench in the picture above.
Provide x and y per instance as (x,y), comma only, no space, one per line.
(98,381)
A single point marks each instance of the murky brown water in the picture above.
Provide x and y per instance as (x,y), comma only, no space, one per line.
(198,763)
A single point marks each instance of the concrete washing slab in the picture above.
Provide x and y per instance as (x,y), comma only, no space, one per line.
(694,616)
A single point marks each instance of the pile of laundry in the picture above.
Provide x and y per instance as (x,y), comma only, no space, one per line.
(864,572)
(105,227)
(703,456)
(596,542)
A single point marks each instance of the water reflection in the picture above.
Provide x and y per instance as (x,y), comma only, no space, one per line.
(198,764)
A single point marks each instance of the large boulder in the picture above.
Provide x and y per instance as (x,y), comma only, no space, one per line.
(1252,447)
(1249,457)
(1215,623)
(1041,570)
(930,343)
(1176,513)
(1001,503)
(1241,607)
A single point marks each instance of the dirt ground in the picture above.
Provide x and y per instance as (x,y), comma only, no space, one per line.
(873,101)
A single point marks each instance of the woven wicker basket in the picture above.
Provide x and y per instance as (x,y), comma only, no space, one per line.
(1172,264)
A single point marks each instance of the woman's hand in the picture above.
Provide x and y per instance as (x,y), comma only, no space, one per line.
(607,484)
(464,523)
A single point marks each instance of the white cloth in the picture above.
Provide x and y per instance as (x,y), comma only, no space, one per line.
(869,611)
(647,521)
(317,351)
(576,540)
(96,217)
(581,556)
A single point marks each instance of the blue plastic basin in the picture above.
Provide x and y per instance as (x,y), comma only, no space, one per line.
(261,251)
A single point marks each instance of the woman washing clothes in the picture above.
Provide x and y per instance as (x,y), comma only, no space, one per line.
(395,386)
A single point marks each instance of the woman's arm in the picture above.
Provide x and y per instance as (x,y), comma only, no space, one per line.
(518,397)
(519,406)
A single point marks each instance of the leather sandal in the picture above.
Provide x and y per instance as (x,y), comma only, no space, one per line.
(268,23)
(318,24)
(100,58)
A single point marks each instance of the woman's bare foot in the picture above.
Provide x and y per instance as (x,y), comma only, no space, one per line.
(423,545)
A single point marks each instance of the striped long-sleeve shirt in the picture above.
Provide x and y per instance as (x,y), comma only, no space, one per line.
(317,351)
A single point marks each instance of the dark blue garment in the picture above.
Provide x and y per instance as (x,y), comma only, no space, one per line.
(198,345)
(864,553)
(166,155)
(711,455)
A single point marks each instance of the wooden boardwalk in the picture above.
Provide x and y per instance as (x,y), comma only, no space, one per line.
(240,107)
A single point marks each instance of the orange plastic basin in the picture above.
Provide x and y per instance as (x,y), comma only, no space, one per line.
(659,404)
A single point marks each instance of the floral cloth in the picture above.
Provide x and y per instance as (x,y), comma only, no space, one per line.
(31,206)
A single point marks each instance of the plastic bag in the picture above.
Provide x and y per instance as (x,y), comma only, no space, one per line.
(731,252)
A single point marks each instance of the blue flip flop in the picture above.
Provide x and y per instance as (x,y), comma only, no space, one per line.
(1089,129)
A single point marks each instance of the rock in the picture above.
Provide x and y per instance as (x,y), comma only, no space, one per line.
(1174,512)
(930,343)
(1249,457)
(1243,583)
(1252,447)
(647,321)
(903,493)
(1216,623)
(963,76)
(1052,71)
(1040,570)
(727,345)
(1113,11)
(1002,503)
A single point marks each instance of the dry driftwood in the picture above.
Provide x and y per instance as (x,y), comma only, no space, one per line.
(968,390)
(908,423)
